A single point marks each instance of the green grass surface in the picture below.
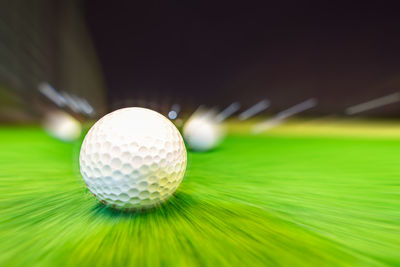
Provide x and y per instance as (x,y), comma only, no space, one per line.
(257,200)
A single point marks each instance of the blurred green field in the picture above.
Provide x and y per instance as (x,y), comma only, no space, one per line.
(285,198)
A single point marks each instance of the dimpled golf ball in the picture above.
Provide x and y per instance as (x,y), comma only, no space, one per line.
(133,158)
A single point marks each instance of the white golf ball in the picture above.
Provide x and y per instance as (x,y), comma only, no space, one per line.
(202,134)
(62,126)
(133,158)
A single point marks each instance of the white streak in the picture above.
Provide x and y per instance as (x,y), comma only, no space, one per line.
(281,116)
(266,125)
(88,109)
(47,90)
(84,106)
(310,103)
(376,103)
(71,102)
(255,109)
(228,111)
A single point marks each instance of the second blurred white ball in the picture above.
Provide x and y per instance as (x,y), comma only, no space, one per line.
(202,133)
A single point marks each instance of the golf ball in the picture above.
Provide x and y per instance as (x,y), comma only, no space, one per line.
(202,133)
(133,158)
(62,126)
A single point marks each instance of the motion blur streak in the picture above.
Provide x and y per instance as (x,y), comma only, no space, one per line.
(310,103)
(254,110)
(376,103)
(52,94)
(228,111)
(283,115)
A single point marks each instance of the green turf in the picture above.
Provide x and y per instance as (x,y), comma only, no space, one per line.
(277,200)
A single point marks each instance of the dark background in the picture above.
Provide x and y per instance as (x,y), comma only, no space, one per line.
(217,52)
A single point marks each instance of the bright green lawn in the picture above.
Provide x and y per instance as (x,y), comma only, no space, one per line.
(278,200)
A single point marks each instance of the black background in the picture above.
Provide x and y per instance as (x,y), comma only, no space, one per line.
(217,52)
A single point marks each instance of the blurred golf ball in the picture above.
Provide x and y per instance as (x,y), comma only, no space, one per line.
(62,126)
(133,158)
(202,132)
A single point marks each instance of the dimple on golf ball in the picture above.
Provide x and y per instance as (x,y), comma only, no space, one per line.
(133,158)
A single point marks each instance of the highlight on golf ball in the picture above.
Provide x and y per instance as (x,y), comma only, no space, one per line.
(133,158)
